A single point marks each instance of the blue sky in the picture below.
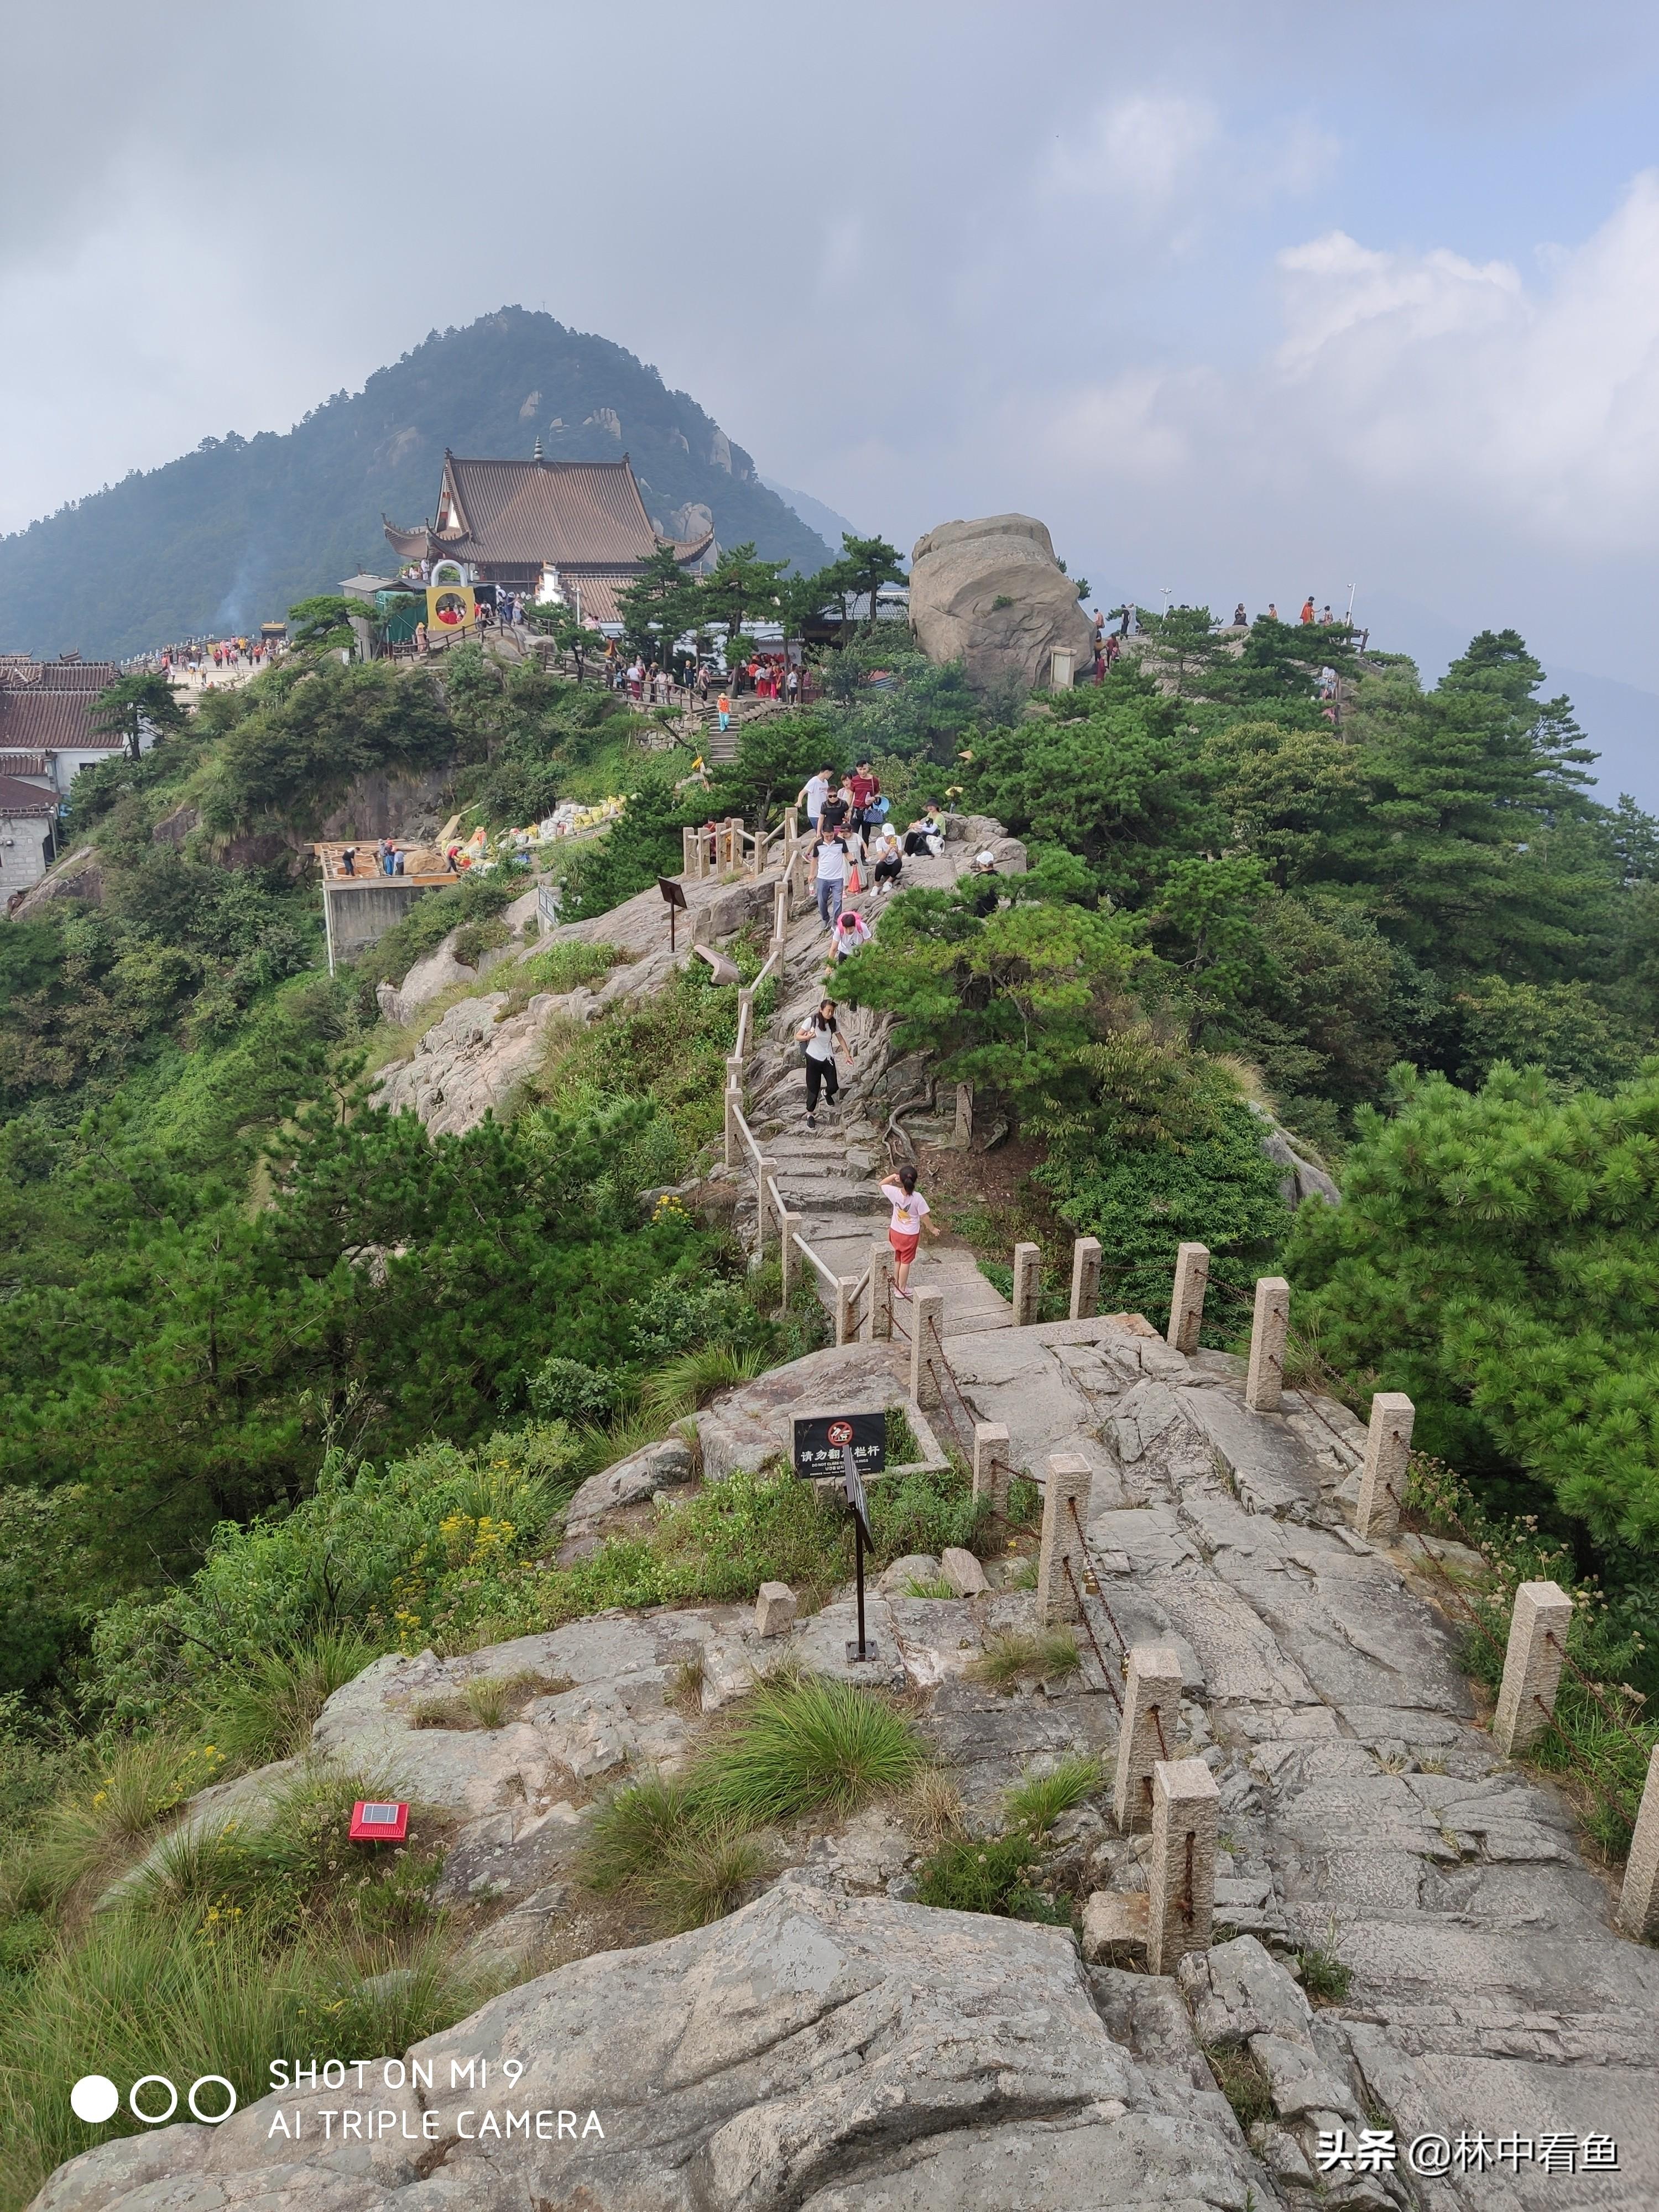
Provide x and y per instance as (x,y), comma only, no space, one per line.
(1242,301)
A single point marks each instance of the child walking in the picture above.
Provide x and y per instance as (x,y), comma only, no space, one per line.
(910,1211)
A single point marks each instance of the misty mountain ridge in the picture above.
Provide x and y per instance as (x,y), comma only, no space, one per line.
(234,533)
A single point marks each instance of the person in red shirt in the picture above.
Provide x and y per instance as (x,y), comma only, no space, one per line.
(863,788)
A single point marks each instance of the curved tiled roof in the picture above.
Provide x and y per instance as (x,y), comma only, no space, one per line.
(19,798)
(575,510)
(44,721)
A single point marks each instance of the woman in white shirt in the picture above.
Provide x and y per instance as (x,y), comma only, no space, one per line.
(910,1211)
(819,1040)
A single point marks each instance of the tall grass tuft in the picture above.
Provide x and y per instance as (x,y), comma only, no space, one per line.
(802,1744)
(93,1834)
(268,1712)
(1038,1800)
(704,1871)
(633,1831)
(138,1991)
(1016,1656)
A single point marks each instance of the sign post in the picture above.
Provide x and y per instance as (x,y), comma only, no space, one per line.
(674,897)
(850,1446)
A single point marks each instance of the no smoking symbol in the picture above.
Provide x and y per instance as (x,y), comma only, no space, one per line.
(840,1433)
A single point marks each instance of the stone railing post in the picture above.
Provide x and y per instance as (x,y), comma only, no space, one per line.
(757,862)
(781,907)
(1387,1451)
(1532,1665)
(1187,1306)
(1151,1706)
(688,837)
(1062,1564)
(732,1140)
(1028,1276)
(789,1258)
(734,841)
(927,1347)
(879,1313)
(1181,1874)
(846,1307)
(1085,1278)
(1265,1375)
(1639,1900)
(764,1171)
(991,1449)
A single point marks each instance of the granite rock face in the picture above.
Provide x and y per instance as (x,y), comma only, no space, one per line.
(991,592)
(816,2051)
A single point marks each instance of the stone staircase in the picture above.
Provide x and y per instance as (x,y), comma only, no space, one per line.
(830,1175)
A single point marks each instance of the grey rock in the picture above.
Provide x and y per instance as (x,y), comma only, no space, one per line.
(774,1609)
(628,1482)
(963,1571)
(815,2050)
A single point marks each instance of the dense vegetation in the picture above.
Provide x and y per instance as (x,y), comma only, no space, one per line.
(234,533)
(288,1382)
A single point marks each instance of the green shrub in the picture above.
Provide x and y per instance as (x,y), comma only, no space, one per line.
(675,1316)
(935,1586)
(474,939)
(1324,1977)
(978,1873)
(570,1390)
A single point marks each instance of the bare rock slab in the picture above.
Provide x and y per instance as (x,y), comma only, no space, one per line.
(816,2050)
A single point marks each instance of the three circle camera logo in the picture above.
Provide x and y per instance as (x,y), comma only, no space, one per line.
(95,2098)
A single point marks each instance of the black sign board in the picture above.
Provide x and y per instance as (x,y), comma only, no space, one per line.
(674,899)
(847,1447)
(821,1441)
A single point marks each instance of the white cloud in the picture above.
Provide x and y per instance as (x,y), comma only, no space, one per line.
(1141,150)
(1423,389)
(1160,154)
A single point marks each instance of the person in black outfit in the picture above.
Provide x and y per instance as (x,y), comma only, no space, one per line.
(820,1040)
(985,899)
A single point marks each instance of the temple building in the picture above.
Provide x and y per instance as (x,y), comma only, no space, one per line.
(576,530)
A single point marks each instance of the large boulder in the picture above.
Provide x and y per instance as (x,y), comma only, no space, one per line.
(814,2051)
(991,592)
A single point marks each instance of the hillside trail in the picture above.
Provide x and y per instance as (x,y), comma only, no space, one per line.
(830,1175)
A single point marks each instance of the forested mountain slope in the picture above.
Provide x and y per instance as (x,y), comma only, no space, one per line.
(234,533)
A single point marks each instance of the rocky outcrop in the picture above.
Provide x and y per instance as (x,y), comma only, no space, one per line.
(472,1057)
(991,593)
(80,876)
(630,1482)
(815,2051)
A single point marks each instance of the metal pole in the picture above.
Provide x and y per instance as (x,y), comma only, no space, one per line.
(858,1540)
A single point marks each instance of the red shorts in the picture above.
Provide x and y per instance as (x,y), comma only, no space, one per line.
(904,1248)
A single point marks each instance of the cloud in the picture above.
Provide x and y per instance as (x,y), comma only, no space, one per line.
(1161,155)
(1142,150)
(1456,381)
(1422,388)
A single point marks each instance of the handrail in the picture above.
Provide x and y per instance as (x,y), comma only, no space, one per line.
(747,1135)
(807,1253)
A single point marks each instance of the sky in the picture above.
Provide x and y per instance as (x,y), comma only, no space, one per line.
(1244,303)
